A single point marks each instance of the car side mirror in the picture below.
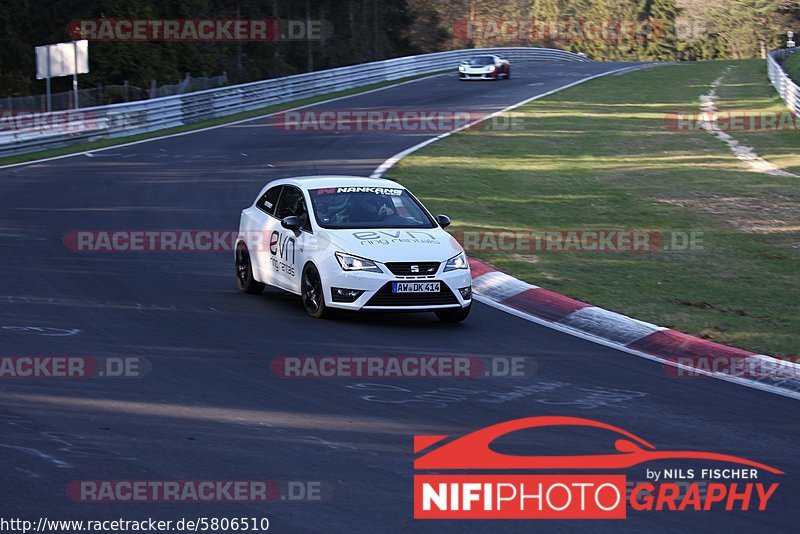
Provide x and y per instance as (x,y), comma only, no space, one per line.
(443,220)
(292,222)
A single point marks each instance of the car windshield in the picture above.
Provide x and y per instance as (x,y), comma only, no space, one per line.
(367,207)
(481,61)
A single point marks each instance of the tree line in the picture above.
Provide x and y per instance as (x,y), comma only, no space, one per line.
(369,30)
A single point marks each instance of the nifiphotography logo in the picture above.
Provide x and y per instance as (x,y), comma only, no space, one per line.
(491,492)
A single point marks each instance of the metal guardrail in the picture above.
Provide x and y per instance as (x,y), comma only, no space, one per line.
(111,94)
(37,132)
(788,89)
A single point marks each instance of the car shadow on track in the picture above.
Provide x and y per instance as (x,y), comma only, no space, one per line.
(426,320)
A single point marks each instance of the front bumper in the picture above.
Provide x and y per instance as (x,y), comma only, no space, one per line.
(477,75)
(377,293)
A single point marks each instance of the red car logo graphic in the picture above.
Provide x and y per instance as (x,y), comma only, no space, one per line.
(473,450)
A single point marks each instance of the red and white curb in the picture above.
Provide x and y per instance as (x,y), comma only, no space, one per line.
(664,345)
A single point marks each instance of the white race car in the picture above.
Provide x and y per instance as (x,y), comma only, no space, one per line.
(352,243)
(484,68)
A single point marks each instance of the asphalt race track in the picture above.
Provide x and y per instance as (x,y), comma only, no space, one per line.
(211,409)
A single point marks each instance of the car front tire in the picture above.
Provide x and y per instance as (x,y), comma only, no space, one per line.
(244,272)
(313,294)
(453,315)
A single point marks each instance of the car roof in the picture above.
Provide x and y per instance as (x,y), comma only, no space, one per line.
(332,180)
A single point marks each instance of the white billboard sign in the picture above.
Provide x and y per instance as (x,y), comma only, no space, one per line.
(62,59)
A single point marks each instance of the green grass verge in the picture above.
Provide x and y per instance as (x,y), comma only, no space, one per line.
(599,155)
(792,67)
(94,145)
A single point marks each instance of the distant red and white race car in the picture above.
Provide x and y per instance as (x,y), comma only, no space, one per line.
(484,68)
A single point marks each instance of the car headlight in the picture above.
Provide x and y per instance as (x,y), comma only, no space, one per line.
(354,263)
(461,68)
(457,262)
(491,68)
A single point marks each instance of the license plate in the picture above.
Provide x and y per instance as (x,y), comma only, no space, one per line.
(415,287)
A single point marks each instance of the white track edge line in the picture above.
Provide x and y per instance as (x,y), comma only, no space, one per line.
(391,162)
(611,344)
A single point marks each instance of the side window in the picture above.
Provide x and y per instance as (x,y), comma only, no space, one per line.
(269,199)
(292,203)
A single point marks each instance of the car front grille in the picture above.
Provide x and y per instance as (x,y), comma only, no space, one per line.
(385,297)
(425,268)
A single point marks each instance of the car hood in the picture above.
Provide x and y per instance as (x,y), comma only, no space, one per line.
(394,244)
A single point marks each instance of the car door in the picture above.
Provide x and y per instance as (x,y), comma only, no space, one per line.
(498,65)
(286,247)
(260,226)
